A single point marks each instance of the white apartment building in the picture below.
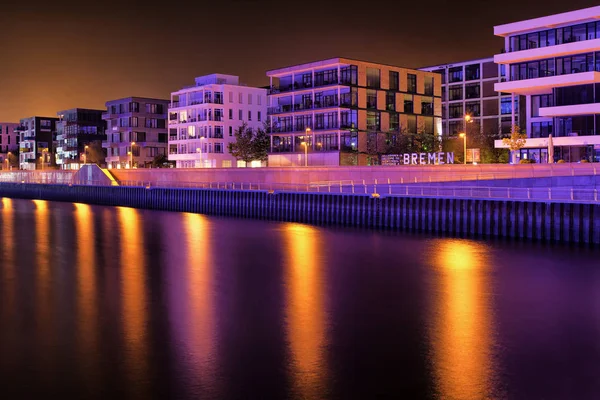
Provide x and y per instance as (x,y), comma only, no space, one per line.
(468,89)
(203,119)
(555,62)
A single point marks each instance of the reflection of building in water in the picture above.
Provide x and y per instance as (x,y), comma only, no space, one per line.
(305,309)
(461,332)
(133,294)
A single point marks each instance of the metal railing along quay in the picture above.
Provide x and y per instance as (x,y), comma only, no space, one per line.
(376,189)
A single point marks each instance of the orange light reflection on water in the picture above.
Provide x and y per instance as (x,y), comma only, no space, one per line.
(86,281)
(200,291)
(461,331)
(8,243)
(305,309)
(133,295)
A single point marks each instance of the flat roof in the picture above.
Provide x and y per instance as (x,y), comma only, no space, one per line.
(136,98)
(444,65)
(324,63)
(551,21)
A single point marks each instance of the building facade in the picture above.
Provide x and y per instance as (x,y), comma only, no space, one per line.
(468,89)
(344,112)
(9,142)
(75,129)
(555,62)
(136,131)
(203,119)
(36,138)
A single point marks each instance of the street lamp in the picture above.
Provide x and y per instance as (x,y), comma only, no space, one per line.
(199,150)
(85,154)
(7,160)
(131,154)
(43,158)
(468,119)
(305,153)
(464,136)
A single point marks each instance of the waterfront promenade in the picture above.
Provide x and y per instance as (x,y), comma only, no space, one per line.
(561,213)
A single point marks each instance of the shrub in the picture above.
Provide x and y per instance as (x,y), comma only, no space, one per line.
(560,162)
(584,161)
(526,161)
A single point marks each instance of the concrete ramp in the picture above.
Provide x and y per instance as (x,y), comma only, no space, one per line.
(91,174)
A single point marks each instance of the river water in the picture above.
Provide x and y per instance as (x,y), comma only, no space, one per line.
(99,302)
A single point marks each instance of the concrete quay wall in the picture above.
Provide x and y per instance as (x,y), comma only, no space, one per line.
(544,221)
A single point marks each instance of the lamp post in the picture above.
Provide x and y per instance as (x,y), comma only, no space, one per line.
(131,156)
(85,154)
(468,119)
(43,158)
(308,131)
(305,144)
(464,136)
(7,160)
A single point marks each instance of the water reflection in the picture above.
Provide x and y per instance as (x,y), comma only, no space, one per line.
(305,309)
(86,283)
(8,251)
(133,295)
(201,319)
(461,329)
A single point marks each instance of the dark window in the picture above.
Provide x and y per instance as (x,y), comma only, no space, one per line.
(537,102)
(373,121)
(394,80)
(472,72)
(455,110)
(472,91)
(427,106)
(455,74)
(349,75)
(455,92)
(429,84)
(394,122)
(373,77)
(390,101)
(411,83)
(162,138)
(408,104)
(473,108)
(371,98)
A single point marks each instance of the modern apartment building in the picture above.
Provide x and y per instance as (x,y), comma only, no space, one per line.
(346,111)
(468,89)
(36,137)
(204,117)
(555,62)
(136,131)
(9,141)
(75,129)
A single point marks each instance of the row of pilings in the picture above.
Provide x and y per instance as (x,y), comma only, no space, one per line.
(544,221)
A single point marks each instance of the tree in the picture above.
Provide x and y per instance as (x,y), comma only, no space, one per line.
(515,142)
(261,144)
(161,161)
(242,148)
(95,154)
(485,142)
(13,159)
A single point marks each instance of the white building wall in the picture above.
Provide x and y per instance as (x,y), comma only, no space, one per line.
(192,142)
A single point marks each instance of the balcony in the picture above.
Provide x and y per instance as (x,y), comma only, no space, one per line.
(540,53)
(572,110)
(544,85)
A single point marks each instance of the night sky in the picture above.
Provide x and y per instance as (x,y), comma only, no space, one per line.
(56,55)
